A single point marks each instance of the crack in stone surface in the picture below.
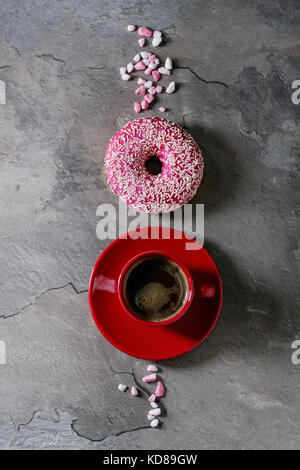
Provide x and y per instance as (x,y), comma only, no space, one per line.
(40,295)
(214,82)
(50,56)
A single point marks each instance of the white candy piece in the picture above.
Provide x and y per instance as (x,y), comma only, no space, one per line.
(156,41)
(148,84)
(123,70)
(152,65)
(130,67)
(125,76)
(168,64)
(134,391)
(150,417)
(152,367)
(164,71)
(137,58)
(141,81)
(171,88)
(131,27)
(155,412)
(122,387)
(157,34)
(154,423)
(145,54)
(154,404)
(146,61)
(157,61)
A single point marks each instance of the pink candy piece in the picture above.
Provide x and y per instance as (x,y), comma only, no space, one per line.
(145,32)
(152,90)
(141,90)
(142,42)
(160,389)
(137,107)
(151,377)
(157,34)
(140,66)
(156,75)
(152,58)
(149,99)
(145,104)
(134,391)
(141,81)
(152,397)
(162,109)
(148,71)
(159,89)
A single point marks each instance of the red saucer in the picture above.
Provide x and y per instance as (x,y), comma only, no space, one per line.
(148,342)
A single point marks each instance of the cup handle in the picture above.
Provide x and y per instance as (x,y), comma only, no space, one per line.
(207,290)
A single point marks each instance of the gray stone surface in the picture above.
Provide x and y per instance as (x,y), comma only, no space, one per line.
(235,64)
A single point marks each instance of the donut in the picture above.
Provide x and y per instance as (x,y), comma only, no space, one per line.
(180,158)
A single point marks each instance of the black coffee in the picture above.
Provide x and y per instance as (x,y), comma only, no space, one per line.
(155,289)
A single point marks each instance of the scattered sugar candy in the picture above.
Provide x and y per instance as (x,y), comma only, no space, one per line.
(155,412)
(154,404)
(150,417)
(130,67)
(140,66)
(148,84)
(151,377)
(152,58)
(160,389)
(144,104)
(141,90)
(142,42)
(137,107)
(152,90)
(156,41)
(164,71)
(162,109)
(154,423)
(142,31)
(146,62)
(145,54)
(171,88)
(159,89)
(141,81)
(152,65)
(168,64)
(125,76)
(148,71)
(131,27)
(134,391)
(123,70)
(157,34)
(122,387)
(149,99)
(157,61)
(152,368)
(137,58)
(152,398)
(156,75)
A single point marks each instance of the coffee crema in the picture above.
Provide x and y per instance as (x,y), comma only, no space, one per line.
(155,288)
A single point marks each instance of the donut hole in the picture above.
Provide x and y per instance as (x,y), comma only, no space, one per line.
(153,165)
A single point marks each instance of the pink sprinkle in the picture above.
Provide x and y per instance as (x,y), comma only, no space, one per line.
(151,377)
(160,389)
(157,34)
(156,75)
(145,32)
(134,391)
(137,107)
(140,65)
(144,104)
(142,42)
(152,90)
(141,81)
(152,397)
(159,89)
(149,98)
(162,109)
(141,90)
(148,71)
(152,58)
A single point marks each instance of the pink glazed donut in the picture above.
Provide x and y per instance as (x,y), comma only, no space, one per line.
(180,158)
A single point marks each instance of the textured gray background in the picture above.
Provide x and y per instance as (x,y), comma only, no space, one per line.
(60,61)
